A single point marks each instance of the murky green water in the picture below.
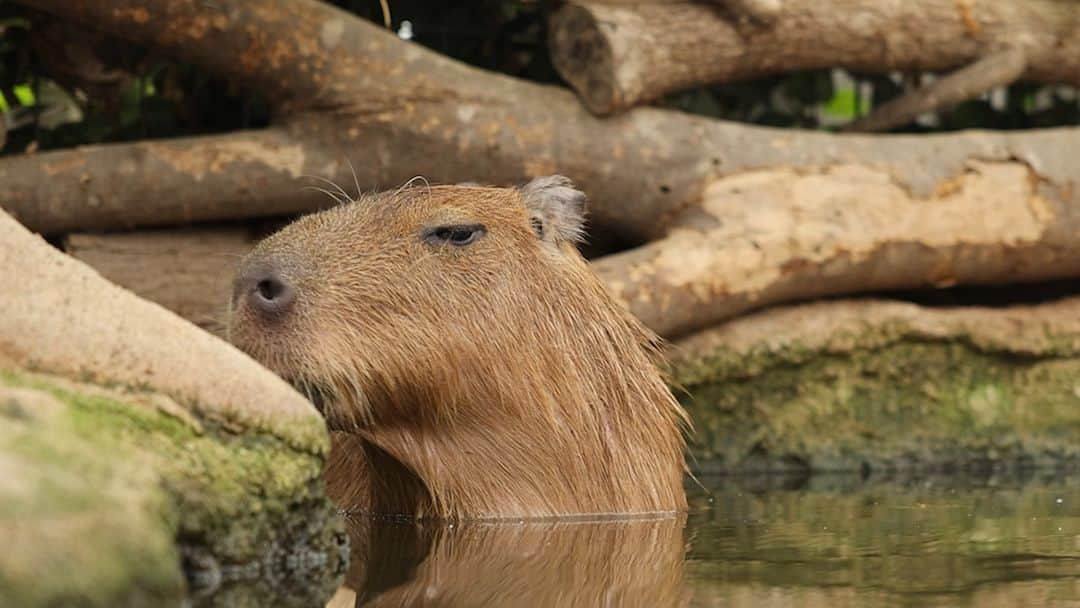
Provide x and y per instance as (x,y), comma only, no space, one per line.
(930,542)
(826,541)
(822,542)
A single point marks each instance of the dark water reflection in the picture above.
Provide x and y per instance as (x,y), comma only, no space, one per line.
(827,542)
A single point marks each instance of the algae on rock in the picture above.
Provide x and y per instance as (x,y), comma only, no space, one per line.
(106,494)
(858,385)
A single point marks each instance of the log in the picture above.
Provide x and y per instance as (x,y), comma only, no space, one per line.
(396,110)
(188,271)
(617,57)
(177,181)
(874,385)
(781,235)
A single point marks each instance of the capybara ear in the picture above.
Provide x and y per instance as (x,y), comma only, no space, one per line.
(556,208)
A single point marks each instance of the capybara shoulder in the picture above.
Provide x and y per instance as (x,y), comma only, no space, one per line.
(466,358)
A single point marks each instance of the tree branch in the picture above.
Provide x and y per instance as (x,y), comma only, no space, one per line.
(994,70)
(61,317)
(617,57)
(781,236)
(253,173)
(289,49)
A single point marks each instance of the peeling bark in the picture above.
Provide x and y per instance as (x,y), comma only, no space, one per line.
(617,57)
(782,235)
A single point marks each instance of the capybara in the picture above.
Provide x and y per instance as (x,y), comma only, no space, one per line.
(467,361)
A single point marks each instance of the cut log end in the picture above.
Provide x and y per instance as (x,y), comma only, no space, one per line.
(584,57)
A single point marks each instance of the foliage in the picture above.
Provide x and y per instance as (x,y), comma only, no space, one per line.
(46,106)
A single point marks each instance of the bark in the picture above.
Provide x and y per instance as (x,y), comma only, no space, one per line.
(781,235)
(758,10)
(995,70)
(868,385)
(396,110)
(252,173)
(188,271)
(617,57)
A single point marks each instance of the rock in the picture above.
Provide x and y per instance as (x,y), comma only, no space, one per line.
(877,385)
(143,461)
(61,316)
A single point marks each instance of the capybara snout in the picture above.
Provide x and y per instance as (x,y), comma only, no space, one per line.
(260,286)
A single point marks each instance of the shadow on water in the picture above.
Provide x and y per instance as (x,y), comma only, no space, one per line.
(823,541)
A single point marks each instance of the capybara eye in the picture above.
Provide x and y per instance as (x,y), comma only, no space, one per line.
(537,226)
(459,236)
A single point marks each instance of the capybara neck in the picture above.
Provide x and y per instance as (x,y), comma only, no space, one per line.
(467,360)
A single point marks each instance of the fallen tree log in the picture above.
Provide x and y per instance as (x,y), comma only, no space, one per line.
(396,110)
(783,235)
(858,385)
(188,271)
(617,57)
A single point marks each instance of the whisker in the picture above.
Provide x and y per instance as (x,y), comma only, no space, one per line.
(355,179)
(337,198)
(332,183)
(409,183)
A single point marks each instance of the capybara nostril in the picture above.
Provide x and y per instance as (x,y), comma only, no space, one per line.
(265,290)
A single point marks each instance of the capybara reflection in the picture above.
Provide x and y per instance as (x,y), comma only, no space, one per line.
(467,359)
(625,563)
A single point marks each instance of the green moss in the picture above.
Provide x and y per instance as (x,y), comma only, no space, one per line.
(890,404)
(117,489)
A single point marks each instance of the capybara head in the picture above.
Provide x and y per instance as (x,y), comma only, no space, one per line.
(466,358)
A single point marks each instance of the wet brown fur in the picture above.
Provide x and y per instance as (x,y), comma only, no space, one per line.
(498,379)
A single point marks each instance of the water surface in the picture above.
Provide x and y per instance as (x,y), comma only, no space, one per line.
(826,541)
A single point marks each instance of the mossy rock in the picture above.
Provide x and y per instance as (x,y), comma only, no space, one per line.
(870,385)
(113,497)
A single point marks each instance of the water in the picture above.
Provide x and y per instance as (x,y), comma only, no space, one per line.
(820,542)
(929,542)
(762,542)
